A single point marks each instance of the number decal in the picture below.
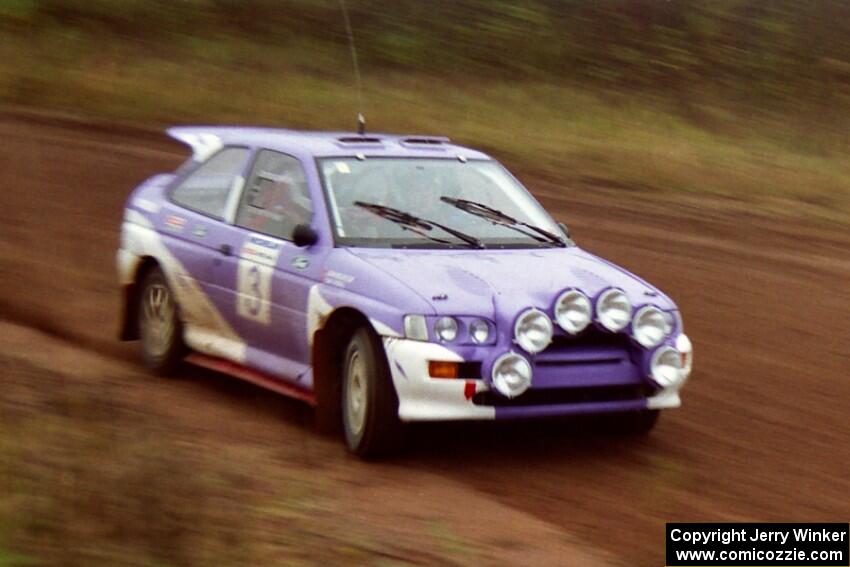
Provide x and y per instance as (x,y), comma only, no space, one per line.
(254,279)
(256,299)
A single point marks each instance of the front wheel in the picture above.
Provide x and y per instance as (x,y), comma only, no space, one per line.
(160,329)
(369,401)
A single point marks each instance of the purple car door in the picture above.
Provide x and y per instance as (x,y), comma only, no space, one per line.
(195,211)
(267,278)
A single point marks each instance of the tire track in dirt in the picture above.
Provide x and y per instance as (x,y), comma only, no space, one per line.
(762,435)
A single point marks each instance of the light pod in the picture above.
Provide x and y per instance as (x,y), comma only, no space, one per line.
(511,375)
(533,330)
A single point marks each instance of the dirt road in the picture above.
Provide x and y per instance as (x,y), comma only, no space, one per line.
(763,434)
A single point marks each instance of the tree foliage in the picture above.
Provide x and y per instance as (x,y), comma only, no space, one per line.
(772,50)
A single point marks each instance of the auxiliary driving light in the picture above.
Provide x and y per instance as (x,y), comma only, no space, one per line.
(614,310)
(573,311)
(533,330)
(511,374)
(650,326)
(666,366)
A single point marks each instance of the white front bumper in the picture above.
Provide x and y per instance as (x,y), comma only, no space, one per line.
(422,398)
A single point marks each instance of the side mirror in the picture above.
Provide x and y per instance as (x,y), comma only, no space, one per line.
(303,235)
(565,228)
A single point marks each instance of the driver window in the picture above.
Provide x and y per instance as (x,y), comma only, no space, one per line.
(275,198)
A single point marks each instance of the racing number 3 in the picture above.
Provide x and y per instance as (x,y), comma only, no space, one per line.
(253,296)
(257,300)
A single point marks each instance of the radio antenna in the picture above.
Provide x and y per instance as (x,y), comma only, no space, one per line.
(361,120)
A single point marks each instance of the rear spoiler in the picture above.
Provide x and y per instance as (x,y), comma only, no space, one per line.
(203,142)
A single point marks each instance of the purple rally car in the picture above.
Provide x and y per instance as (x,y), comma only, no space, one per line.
(386,279)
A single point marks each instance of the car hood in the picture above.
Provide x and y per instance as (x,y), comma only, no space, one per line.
(484,283)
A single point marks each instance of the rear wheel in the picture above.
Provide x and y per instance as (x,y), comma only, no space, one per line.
(369,401)
(160,330)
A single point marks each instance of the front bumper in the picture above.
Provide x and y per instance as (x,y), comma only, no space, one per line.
(422,398)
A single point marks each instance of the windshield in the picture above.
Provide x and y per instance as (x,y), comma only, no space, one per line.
(425,203)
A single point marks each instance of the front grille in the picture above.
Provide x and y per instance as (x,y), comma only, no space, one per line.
(556,396)
(592,359)
(591,346)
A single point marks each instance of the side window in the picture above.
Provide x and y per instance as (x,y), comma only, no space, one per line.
(276,198)
(206,189)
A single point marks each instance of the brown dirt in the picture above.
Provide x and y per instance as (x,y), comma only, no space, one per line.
(763,434)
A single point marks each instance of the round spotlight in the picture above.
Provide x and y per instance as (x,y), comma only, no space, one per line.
(650,326)
(573,311)
(666,366)
(511,375)
(446,329)
(613,310)
(533,330)
(479,330)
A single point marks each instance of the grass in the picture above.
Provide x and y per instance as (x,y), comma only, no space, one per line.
(89,479)
(781,159)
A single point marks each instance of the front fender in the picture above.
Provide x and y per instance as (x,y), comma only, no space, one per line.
(323,300)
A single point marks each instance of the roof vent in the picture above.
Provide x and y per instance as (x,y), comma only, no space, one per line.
(424,141)
(357,140)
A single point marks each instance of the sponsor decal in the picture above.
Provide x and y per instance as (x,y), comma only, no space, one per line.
(175,223)
(261,250)
(300,262)
(199,231)
(260,241)
(338,279)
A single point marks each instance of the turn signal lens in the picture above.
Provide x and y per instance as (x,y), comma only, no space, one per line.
(443,369)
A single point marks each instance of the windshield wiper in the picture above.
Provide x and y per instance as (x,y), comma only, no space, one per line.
(498,217)
(418,225)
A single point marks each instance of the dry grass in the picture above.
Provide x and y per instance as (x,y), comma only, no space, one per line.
(577,138)
(87,480)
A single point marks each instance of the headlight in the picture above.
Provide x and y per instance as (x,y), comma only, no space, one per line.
(446,329)
(511,374)
(650,326)
(573,311)
(415,327)
(533,330)
(666,366)
(479,330)
(614,310)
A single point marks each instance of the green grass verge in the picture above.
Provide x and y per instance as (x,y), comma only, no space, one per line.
(572,136)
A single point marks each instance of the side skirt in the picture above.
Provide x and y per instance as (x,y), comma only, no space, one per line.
(252,376)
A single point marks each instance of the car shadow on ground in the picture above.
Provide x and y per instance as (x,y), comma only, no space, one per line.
(532,439)
(537,439)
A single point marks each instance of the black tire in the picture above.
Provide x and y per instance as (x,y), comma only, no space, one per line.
(369,400)
(160,329)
